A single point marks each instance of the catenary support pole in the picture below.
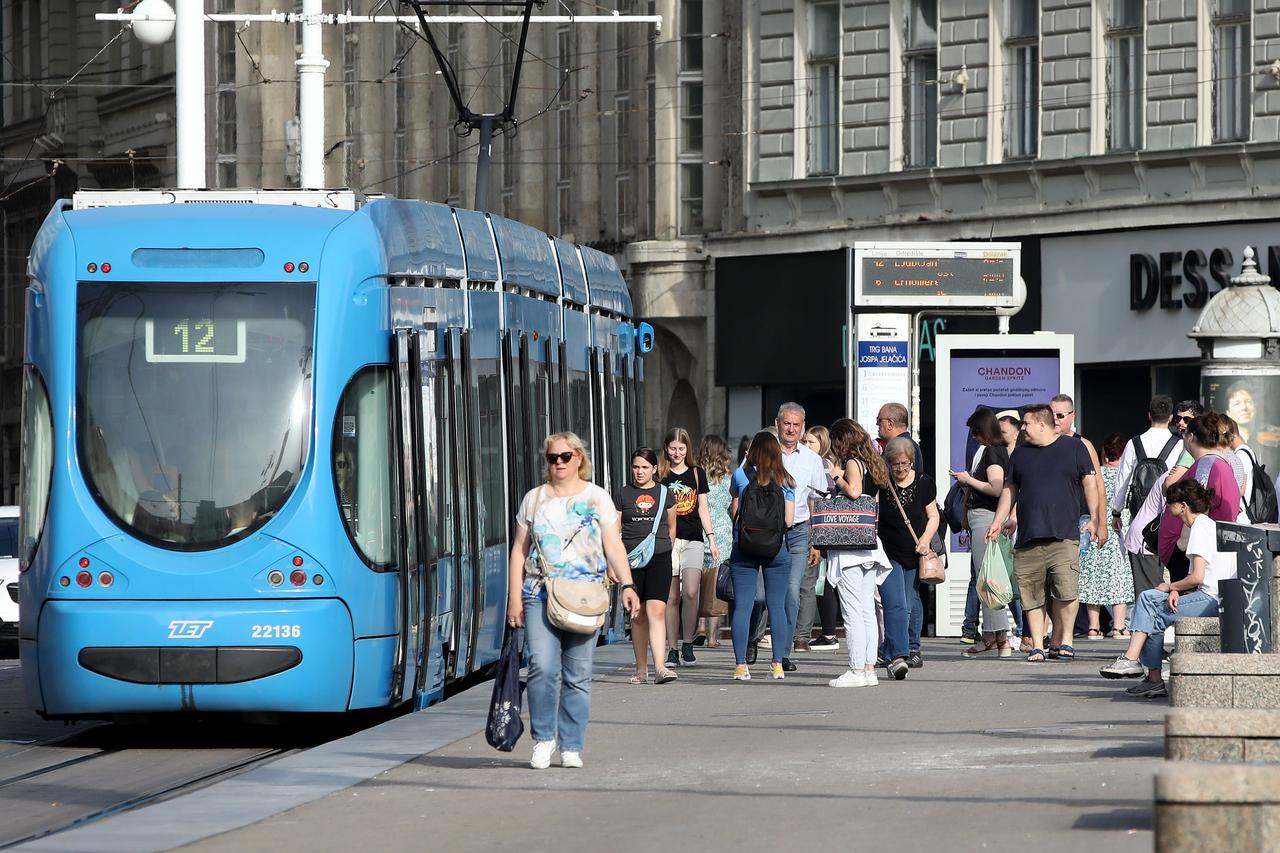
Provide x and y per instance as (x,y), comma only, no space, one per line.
(189,48)
(483,157)
(311,68)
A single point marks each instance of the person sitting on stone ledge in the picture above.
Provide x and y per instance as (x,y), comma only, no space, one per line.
(1194,595)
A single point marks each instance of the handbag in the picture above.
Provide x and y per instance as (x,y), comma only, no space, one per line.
(710,604)
(504,726)
(838,522)
(930,569)
(578,606)
(643,552)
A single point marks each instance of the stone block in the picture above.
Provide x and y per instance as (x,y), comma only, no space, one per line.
(1225,664)
(1225,722)
(1255,691)
(1262,750)
(1193,783)
(1212,749)
(1199,691)
(1207,828)
(1197,635)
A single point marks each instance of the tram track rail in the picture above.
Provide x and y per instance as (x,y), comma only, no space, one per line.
(82,789)
(58,817)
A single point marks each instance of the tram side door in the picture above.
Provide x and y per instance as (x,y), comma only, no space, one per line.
(457,445)
(408,413)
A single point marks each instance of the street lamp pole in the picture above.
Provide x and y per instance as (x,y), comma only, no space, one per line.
(189,49)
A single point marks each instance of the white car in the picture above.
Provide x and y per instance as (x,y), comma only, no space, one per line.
(8,571)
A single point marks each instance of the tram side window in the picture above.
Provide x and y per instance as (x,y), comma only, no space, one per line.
(580,404)
(37,464)
(493,525)
(364,467)
(617,434)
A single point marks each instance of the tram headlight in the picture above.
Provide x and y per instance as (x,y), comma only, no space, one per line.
(276,577)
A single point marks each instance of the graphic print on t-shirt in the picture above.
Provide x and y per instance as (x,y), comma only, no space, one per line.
(645,503)
(686,498)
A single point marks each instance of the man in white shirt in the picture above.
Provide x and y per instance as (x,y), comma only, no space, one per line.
(810,474)
(1247,458)
(1158,442)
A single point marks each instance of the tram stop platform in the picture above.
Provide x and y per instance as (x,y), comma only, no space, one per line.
(983,754)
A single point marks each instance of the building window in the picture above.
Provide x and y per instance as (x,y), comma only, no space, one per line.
(1022,102)
(564,135)
(690,198)
(691,35)
(349,42)
(921,58)
(224,88)
(1124,75)
(400,128)
(691,117)
(823,73)
(453,173)
(651,133)
(622,147)
(507,142)
(1232,69)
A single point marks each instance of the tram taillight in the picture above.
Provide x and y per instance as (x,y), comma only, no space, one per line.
(84,579)
(297,577)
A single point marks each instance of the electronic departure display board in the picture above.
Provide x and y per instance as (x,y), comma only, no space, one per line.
(935,275)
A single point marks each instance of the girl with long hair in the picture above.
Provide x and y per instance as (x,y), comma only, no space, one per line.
(694,532)
(983,481)
(818,439)
(762,469)
(855,572)
(713,453)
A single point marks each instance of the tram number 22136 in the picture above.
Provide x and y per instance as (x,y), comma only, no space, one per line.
(278,632)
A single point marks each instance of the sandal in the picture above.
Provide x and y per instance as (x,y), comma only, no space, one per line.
(1036,656)
(978,648)
(1065,652)
(665,676)
(714,645)
(640,679)
(1122,634)
(1095,634)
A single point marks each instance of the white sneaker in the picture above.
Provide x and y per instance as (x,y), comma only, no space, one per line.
(848,678)
(570,759)
(869,678)
(542,751)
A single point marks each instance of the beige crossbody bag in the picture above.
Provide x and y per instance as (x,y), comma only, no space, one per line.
(572,605)
(932,569)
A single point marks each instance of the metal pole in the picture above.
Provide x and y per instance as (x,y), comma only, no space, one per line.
(483,157)
(189,48)
(311,68)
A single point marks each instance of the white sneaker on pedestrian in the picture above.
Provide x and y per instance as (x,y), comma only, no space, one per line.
(1122,667)
(869,678)
(848,678)
(570,759)
(542,752)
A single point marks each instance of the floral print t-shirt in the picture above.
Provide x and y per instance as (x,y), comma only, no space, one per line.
(567,534)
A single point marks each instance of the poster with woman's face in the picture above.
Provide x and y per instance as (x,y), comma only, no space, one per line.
(1251,400)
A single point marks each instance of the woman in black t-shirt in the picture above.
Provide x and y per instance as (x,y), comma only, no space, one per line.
(918,495)
(689,487)
(983,482)
(637,508)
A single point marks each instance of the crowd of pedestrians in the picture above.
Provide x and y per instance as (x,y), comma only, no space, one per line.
(1129,533)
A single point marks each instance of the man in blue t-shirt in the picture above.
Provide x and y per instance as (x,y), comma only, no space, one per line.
(1043,487)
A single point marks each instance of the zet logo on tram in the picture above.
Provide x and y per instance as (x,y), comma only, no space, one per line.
(188,629)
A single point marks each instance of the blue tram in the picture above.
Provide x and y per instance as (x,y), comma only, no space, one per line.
(273,442)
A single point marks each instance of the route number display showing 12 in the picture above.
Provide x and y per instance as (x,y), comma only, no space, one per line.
(195,340)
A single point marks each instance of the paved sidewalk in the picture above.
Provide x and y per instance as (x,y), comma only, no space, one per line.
(964,755)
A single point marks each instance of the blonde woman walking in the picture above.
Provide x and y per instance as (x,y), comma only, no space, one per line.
(694,531)
(713,453)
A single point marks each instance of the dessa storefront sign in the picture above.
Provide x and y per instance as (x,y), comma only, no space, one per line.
(1175,279)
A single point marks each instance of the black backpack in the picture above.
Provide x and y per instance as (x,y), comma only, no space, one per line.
(1146,472)
(762,521)
(1260,503)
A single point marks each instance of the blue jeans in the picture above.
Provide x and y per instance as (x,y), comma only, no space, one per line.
(797,543)
(915,607)
(777,574)
(897,613)
(1151,616)
(559,677)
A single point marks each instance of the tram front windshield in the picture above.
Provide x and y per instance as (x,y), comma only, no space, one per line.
(194,404)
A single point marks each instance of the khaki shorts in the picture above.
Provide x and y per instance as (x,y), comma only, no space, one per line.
(686,554)
(1047,566)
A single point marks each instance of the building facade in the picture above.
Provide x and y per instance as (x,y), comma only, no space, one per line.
(1130,147)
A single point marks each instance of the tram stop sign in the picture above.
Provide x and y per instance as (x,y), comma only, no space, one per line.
(934,275)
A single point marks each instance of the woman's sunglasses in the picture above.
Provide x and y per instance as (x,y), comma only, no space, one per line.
(564,458)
